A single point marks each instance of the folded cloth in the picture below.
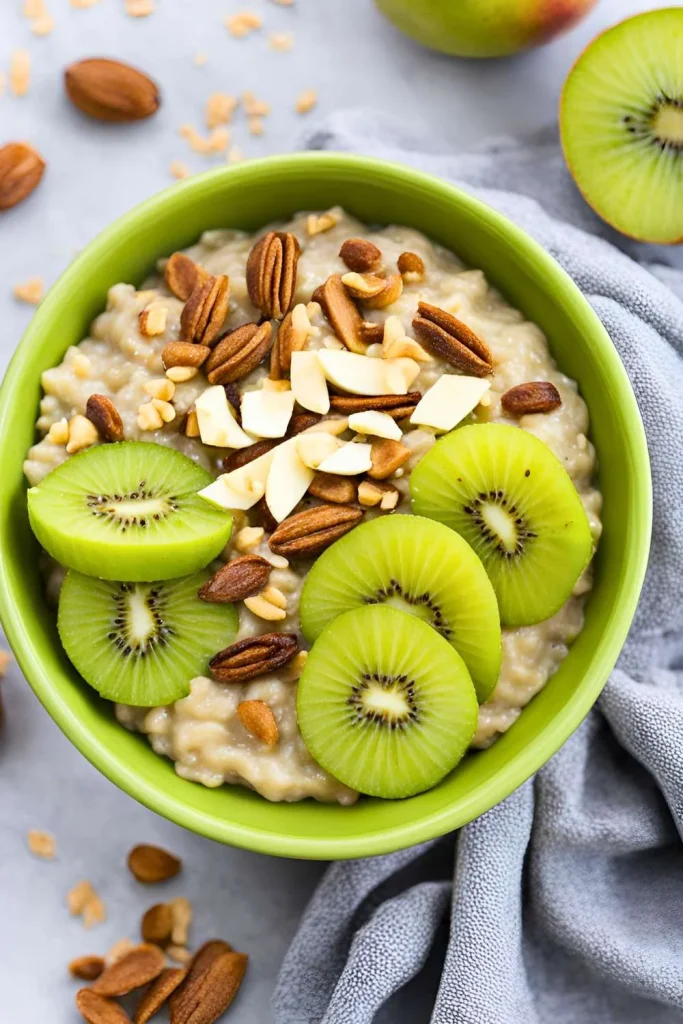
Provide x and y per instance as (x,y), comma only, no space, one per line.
(565,901)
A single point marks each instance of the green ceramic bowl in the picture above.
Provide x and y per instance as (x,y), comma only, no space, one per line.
(249,196)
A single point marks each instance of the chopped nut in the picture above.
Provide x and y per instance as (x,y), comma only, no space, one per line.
(387,456)
(306,101)
(139,8)
(42,844)
(389,500)
(277,561)
(264,608)
(181,374)
(43,26)
(86,968)
(393,287)
(152,320)
(191,424)
(104,415)
(258,719)
(248,538)
(165,409)
(395,343)
(148,417)
(179,169)
(94,912)
(254,107)
(200,59)
(213,143)
(274,596)
(363,286)
(255,126)
(81,366)
(20,72)
(316,224)
(219,140)
(299,662)
(220,107)
(82,434)
(83,4)
(282,41)
(235,155)
(58,432)
(181,911)
(30,291)
(180,954)
(240,25)
(160,387)
(369,494)
(78,896)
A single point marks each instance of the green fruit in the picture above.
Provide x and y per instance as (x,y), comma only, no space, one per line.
(128,511)
(384,703)
(419,567)
(621,121)
(483,28)
(506,493)
(141,643)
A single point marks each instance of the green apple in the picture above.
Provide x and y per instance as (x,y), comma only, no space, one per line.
(483,28)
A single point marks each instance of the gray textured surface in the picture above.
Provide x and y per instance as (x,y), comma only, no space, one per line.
(345,51)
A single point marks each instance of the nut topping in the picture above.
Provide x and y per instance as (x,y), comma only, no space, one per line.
(292,335)
(152,321)
(398,406)
(393,286)
(363,286)
(236,580)
(360,255)
(243,456)
(102,412)
(387,456)
(258,719)
(271,273)
(307,533)
(238,353)
(371,333)
(110,90)
(184,353)
(183,274)
(254,656)
(329,487)
(21,168)
(204,313)
(342,313)
(411,267)
(450,339)
(535,396)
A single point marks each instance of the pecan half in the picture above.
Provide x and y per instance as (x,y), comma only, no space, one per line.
(342,313)
(535,396)
(254,656)
(158,993)
(184,353)
(239,352)
(387,456)
(21,168)
(450,339)
(271,273)
(311,531)
(204,998)
(243,456)
(204,313)
(101,411)
(360,255)
(182,275)
(236,580)
(341,490)
(301,421)
(398,406)
(393,286)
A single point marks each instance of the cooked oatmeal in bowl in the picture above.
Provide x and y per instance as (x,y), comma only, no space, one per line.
(334,380)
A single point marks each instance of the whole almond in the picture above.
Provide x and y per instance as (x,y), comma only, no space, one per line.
(258,719)
(342,313)
(340,490)
(387,456)
(158,993)
(360,255)
(97,1009)
(157,924)
(534,397)
(252,657)
(397,406)
(111,91)
(184,353)
(141,965)
(236,580)
(151,864)
(21,168)
(87,968)
(451,340)
(203,998)
(311,531)
(182,275)
(101,411)
(239,352)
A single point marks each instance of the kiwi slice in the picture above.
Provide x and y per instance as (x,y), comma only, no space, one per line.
(385,704)
(505,492)
(416,566)
(621,122)
(128,511)
(141,643)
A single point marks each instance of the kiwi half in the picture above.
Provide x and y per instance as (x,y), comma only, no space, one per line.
(416,566)
(385,704)
(128,511)
(141,643)
(512,500)
(621,123)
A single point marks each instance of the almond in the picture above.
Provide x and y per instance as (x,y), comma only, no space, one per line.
(206,995)
(204,313)
(391,291)
(87,968)
(111,91)
(342,313)
(271,273)
(254,656)
(141,965)
(184,353)
(311,531)
(360,255)
(387,456)
(397,406)
(363,286)
(21,168)
(102,412)
(157,924)
(98,1010)
(238,353)
(158,993)
(182,275)
(236,580)
(411,267)
(533,397)
(337,489)
(453,341)
(258,719)
(151,864)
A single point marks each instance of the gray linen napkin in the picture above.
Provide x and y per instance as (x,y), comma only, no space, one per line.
(565,901)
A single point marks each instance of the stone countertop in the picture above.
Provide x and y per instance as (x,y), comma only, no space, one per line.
(346,52)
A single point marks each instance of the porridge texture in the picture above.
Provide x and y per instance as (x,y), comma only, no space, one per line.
(202,733)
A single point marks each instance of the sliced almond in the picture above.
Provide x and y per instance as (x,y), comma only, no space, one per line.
(141,965)
(361,375)
(96,1009)
(309,385)
(267,605)
(288,480)
(158,993)
(315,446)
(86,968)
(258,719)
(217,424)
(386,457)
(152,864)
(342,313)
(266,413)
(242,488)
(375,424)
(350,460)
(360,255)
(448,401)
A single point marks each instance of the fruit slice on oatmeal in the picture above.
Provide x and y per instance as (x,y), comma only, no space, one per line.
(128,511)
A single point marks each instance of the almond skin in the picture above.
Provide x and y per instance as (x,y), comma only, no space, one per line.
(258,719)
(141,965)
(157,924)
(151,864)
(311,531)
(252,657)
(202,999)
(21,168)
(236,580)
(111,91)
(96,1009)
(360,255)
(101,411)
(534,397)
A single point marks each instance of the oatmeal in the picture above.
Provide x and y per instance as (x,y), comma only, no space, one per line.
(121,359)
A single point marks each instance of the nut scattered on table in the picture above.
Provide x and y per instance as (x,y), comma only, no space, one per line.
(21,169)
(109,90)
(151,864)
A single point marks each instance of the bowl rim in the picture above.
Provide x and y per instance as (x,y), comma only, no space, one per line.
(525,762)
